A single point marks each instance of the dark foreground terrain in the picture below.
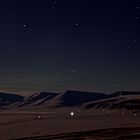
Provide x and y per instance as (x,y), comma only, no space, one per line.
(59,125)
(103,134)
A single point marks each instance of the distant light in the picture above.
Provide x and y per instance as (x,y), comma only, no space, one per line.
(73,71)
(67,78)
(24,25)
(77,24)
(135,40)
(60,84)
(39,117)
(9,12)
(107,112)
(135,115)
(72,113)
(123,112)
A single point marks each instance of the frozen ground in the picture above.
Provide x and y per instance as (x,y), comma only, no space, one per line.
(59,124)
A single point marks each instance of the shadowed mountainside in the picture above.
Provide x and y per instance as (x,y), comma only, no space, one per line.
(74,98)
(71,98)
(67,99)
(7,98)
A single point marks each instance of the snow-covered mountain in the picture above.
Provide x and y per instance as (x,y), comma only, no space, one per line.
(117,100)
(71,98)
(37,99)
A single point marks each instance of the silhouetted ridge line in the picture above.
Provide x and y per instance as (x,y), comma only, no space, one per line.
(73,98)
(7,98)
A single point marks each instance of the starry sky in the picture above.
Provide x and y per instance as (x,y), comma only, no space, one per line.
(57,45)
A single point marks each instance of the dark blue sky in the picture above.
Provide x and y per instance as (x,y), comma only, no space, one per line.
(69,44)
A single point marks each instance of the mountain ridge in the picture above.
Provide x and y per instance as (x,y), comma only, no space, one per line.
(70,98)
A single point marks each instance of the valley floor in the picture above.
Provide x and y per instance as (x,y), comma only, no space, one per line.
(92,124)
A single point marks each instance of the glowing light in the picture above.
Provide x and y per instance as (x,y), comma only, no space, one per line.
(107,112)
(24,25)
(135,115)
(77,24)
(135,40)
(72,113)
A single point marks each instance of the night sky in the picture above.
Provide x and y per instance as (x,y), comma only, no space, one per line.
(57,45)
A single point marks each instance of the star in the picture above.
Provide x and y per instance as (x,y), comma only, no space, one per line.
(24,25)
(73,71)
(77,24)
(55,1)
(67,78)
(9,12)
(132,44)
(135,40)
(60,84)
(55,5)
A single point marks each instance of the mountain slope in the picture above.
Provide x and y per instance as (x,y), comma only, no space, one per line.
(7,98)
(67,99)
(127,100)
(38,99)
(74,98)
